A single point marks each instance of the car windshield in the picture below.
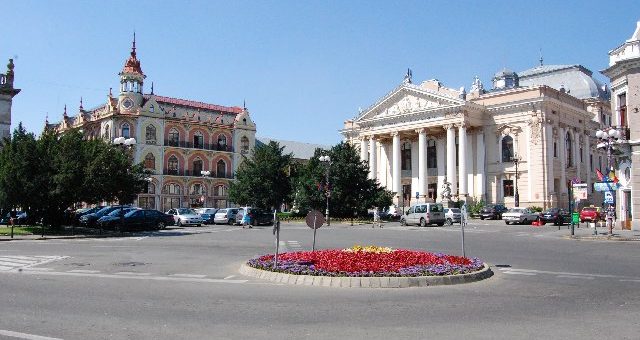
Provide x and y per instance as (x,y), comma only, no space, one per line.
(551,211)
(116,212)
(455,210)
(517,210)
(185,211)
(589,209)
(222,211)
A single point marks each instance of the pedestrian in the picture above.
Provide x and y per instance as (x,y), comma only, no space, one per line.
(376,218)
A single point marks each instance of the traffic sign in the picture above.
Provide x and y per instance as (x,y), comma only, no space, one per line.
(580,191)
(417,194)
(608,197)
(314,219)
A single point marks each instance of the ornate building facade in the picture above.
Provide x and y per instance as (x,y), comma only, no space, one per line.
(624,73)
(419,137)
(7,92)
(192,148)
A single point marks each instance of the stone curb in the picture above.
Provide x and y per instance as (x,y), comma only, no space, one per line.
(366,282)
(602,238)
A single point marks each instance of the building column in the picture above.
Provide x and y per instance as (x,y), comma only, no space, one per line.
(577,154)
(480,160)
(373,166)
(462,160)
(587,162)
(440,163)
(364,146)
(549,160)
(563,160)
(422,161)
(451,158)
(395,166)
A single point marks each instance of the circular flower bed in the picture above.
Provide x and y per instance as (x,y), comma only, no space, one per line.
(369,261)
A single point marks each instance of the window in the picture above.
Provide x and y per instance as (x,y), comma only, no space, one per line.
(622,109)
(555,149)
(150,134)
(222,142)
(244,144)
(220,190)
(125,130)
(174,137)
(507,187)
(147,202)
(221,169)
(173,165)
(591,162)
(171,202)
(197,167)
(507,149)
(172,189)
(581,152)
(405,156)
(197,189)
(107,135)
(569,148)
(149,161)
(198,140)
(151,188)
(432,159)
(152,109)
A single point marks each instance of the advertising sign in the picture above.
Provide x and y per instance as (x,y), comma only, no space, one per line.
(605,186)
(580,191)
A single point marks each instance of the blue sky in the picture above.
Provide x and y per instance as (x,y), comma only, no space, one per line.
(303,67)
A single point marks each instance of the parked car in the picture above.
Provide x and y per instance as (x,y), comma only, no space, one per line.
(424,214)
(207,214)
(185,216)
(492,211)
(139,219)
(111,219)
(225,216)
(556,215)
(452,215)
(520,215)
(75,219)
(260,217)
(591,214)
(89,220)
(19,217)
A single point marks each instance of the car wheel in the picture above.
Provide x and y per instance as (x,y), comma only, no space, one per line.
(440,224)
(482,218)
(230,222)
(179,223)
(423,223)
(507,222)
(449,221)
(160,226)
(403,222)
(197,225)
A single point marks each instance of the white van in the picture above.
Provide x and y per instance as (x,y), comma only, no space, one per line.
(424,214)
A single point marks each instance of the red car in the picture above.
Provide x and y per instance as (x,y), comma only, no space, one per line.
(590,214)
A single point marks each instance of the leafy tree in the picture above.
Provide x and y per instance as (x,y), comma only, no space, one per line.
(262,180)
(351,189)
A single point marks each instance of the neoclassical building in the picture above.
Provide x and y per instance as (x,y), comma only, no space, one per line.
(419,136)
(7,92)
(192,148)
(624,73)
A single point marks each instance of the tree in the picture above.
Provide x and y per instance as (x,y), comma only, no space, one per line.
(262,180)
(351,189)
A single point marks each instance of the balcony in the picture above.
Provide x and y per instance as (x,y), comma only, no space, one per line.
(205,146)
(194,174)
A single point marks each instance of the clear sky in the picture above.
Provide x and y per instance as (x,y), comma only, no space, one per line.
(303,67)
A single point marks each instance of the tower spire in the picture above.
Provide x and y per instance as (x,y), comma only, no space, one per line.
(81,108)
(151,87)
(133,49)
(541,59)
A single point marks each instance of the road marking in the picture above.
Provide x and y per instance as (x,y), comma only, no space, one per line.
(25,335)
(21,262)
(40,269)
(229,277)
(189,275)
(133,273)
(130,277)
(576,277)
(518,273)
(83,271)
(566,274)
(630,280)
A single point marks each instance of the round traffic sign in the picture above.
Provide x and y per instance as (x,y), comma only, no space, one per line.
(317,216)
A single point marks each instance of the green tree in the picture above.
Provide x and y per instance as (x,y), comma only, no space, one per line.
(262,180)
(351,189)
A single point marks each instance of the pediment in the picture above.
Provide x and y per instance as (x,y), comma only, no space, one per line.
(406,100)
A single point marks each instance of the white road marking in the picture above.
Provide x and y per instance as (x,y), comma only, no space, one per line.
(25,335)
(21,262)
(133,273)
(5,268)
(130,277)
(189,275)
(509,270)
(229,277)
(630,280)
(83,271)
(40,269)
(518,273)
(576,277)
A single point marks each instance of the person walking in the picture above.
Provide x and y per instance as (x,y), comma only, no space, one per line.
(376,218)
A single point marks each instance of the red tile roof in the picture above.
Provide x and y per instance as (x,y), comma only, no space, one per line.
(197,105)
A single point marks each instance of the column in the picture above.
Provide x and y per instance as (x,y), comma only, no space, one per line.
(577,154)
(480,160)
(373,166)
(422,161)
(440,160)
(451,157)
(588,170)
(549,160)
(395,166)
(563,160)
(462,160)
(364,146)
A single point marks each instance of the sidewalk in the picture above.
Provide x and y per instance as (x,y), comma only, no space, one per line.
(584,233)
(66,233)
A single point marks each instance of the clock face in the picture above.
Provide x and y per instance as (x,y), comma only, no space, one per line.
(127,103)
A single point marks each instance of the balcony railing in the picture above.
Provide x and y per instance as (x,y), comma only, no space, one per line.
(205,146)
(195,174)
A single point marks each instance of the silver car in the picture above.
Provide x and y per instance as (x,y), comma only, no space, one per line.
(452,215)
(226,216)
(185,216)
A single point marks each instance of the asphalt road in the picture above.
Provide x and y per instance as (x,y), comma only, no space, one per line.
(184,284)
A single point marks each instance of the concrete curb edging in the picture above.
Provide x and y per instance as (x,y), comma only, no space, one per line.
(603,238)
(366,281)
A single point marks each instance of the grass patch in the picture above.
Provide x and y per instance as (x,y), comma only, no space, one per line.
(21,230)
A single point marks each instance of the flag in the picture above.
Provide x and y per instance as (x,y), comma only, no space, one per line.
(600,175)
(612,177)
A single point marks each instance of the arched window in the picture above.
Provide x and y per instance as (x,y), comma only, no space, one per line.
(152,109)
(220,190)
(172,165)
(150,134)
(221,169)
(198,140)
(125,130)
(150,189)
(405,156)
(197,167)
(197,189)
(507,149)
(174,137)
(244,144)
(149,161)
(222,142)
(107,135)
(172,189)
(569,147)
(432,159)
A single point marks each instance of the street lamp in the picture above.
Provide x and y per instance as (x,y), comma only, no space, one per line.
(326,160)
(608,137)
(516,197)
(124,143)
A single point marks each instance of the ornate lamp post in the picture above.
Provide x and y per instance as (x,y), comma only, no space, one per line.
(124,143)
(608,137)
(326,160)
(516,196)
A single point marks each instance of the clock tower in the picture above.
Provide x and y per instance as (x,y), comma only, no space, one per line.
(131,81)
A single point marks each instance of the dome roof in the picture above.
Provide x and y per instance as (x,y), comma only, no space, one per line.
(575,79)
(505,72)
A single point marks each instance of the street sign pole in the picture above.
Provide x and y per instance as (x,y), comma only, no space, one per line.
(314,233)
(276,231)
(463,222)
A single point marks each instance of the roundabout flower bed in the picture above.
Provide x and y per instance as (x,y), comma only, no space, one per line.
(370,261)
